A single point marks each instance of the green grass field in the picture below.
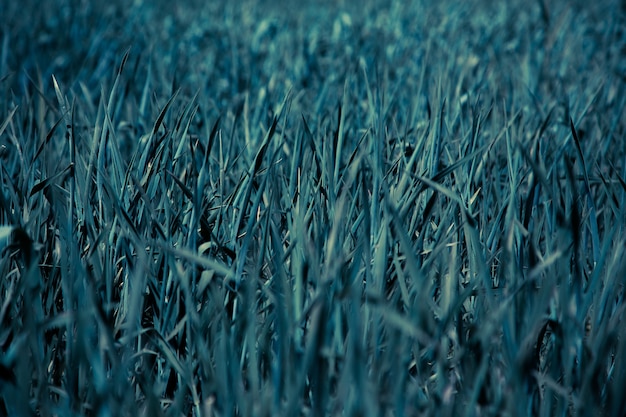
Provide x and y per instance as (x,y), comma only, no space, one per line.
(257,208)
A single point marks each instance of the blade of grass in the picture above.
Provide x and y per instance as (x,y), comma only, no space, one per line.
(593,219)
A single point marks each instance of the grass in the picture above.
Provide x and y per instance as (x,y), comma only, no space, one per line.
(360,209)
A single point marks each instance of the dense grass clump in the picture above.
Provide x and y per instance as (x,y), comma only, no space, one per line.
(314,208)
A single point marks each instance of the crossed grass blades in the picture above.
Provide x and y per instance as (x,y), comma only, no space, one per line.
(380,210)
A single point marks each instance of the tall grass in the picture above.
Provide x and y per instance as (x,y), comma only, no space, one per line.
(267,209)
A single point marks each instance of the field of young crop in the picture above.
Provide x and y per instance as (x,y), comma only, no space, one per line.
(315,208)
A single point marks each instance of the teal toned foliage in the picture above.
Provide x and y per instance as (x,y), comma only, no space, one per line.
(312,208)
